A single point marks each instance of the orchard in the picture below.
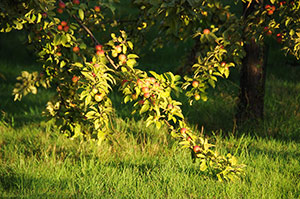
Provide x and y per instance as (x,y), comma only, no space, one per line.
(88,49)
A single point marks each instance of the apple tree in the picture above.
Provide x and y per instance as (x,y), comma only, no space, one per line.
(236,40)
(85,56)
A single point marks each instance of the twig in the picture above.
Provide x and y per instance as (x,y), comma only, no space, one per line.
(96,42)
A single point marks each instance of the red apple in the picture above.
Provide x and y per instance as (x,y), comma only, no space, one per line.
(63,23)
(98,47)
(75,79)
(97,8)
(60,27)
(223,64)
(134,96)
(77,2)
(59,10)
(189,139)
(273,8)
(95,91)
(183,130)
(269,33)
(195,84)
(282,3)
(100,52)
(197,97)
(146,95)
(206,31)
(118,49)
(124,81)
(122,58)
(196,149)
(62,5)
(76,49)
(66,28)
(139,83)
(152,80)
(170,106)
(267,7)
(145,89)
(98,97)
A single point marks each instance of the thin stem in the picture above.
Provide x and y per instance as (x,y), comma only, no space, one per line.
(96,42)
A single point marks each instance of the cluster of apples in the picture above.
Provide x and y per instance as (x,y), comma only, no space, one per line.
(279,37)
(281,3)
(270,9)
(62,5)
(63,26)
(147,86)
(117,52)
(195,84)
(268,32)
(99,50)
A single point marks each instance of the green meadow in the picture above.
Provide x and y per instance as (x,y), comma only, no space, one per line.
(36,161)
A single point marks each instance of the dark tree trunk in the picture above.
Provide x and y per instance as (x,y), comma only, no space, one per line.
(252,82)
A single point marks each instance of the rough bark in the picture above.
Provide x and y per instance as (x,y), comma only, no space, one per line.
(252,84)
(252,79)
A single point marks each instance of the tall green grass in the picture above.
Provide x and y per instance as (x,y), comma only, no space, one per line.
(138,162)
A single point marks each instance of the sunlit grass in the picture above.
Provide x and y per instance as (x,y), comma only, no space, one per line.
(137,162)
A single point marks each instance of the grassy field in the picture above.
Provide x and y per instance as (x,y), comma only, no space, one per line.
(138,162)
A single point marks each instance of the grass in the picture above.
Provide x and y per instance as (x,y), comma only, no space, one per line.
(138,162)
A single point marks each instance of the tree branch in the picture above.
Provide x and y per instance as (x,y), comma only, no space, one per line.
(96,42)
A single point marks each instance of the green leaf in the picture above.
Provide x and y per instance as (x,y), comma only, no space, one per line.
(127,98)
(90,114)
(131,63)
(57,39)
(144,108)
(88,100)
(77,130)
(132,56)
(64,39)
(130,44)
(212,83)
(203,166)
(81,14)
(158,124)
(82,46)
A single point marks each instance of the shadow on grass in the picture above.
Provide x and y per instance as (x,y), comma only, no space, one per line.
(154,167)
(21,185)
(14,58)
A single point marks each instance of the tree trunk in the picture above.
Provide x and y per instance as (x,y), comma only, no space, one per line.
(252,80)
